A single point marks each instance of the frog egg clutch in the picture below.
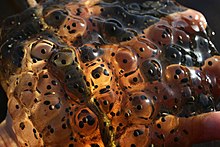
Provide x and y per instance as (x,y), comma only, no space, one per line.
(109,73)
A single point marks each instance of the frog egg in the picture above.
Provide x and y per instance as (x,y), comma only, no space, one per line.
(134,136)
(177,74)
(126,60)
(84,121)
(55,18)
(139,108)
(151,70)
(42,49)
(64,58)
(106,101)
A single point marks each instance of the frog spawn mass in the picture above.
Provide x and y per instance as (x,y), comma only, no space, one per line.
(107,73)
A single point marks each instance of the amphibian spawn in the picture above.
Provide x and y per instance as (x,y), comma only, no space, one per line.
(114,73)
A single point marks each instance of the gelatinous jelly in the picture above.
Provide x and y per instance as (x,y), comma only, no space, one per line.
(108,73)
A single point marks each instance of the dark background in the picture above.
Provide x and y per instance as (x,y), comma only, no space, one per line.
(210,8)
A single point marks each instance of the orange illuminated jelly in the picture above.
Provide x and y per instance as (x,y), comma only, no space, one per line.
(110,73)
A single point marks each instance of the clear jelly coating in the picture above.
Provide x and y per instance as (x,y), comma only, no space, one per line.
(108,73)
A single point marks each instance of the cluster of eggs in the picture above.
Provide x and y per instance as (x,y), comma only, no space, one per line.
(107,73)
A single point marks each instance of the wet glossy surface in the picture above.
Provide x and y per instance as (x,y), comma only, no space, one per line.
(108,74)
